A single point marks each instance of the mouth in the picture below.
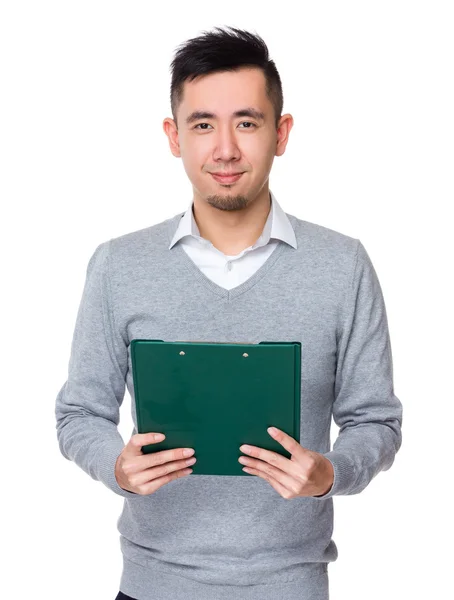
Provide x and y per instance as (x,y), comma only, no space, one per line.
(226,178)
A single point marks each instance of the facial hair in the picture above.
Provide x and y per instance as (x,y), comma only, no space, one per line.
(230,203)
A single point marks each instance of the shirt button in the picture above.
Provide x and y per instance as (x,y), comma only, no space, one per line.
(229,266)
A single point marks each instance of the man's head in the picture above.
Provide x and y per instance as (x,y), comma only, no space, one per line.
(226,101)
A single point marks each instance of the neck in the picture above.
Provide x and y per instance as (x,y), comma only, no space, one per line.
(233,231)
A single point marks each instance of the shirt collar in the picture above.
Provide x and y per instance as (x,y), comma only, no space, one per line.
(277,226)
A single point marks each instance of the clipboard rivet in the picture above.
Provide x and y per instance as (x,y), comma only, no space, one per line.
(182,353)
(245,354)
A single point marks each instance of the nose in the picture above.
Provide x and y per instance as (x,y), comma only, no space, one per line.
(226,146)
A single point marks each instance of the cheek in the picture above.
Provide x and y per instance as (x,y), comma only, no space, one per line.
(258,149)
(196,153)
(192,157)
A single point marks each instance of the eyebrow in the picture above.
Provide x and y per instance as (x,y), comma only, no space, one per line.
(244,112)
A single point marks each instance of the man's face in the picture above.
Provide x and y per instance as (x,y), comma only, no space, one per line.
(225,143)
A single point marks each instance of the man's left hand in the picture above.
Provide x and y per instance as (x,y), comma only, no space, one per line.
(306,473)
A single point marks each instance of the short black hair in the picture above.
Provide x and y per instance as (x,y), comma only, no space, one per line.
(223,50)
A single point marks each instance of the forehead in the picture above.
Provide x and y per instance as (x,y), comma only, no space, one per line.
(225,91)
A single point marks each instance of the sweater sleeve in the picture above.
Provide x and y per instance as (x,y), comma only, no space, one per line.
(365,408)
(87,407)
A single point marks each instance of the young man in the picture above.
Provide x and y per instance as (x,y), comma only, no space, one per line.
(233,267)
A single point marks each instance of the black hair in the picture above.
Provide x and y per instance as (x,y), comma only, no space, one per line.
(223,50)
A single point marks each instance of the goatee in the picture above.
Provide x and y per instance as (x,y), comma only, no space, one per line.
(234,202)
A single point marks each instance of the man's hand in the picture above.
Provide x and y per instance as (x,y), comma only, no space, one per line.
(143,474)
(306,473)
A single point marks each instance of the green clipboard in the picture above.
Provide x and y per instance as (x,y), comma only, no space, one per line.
(214,397)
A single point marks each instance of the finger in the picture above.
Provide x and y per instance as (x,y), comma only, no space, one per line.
(153,485)
(280,489)
(140,464)
(292,485)
(158,472)
(164,456)
(289,443)
(142,439)
(273,458)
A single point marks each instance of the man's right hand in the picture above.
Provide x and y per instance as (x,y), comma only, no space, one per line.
(142,473)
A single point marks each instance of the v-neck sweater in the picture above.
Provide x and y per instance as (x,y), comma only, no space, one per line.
(205,537)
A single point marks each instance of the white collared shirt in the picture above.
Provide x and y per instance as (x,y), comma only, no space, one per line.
(230,271)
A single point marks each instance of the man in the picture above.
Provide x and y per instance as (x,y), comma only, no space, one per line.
(233,267)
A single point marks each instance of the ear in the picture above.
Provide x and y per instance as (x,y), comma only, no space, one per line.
(283,131)
(171,131)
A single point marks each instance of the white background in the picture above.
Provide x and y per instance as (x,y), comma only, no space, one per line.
(85,88)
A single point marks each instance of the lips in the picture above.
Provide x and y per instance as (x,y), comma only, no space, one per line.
(226,178)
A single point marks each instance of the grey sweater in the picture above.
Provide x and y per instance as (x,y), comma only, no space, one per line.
(206,537)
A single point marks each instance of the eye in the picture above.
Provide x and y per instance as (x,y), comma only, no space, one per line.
(204,129)
(201,124)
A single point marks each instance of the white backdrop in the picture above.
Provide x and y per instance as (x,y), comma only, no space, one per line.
(85,88)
